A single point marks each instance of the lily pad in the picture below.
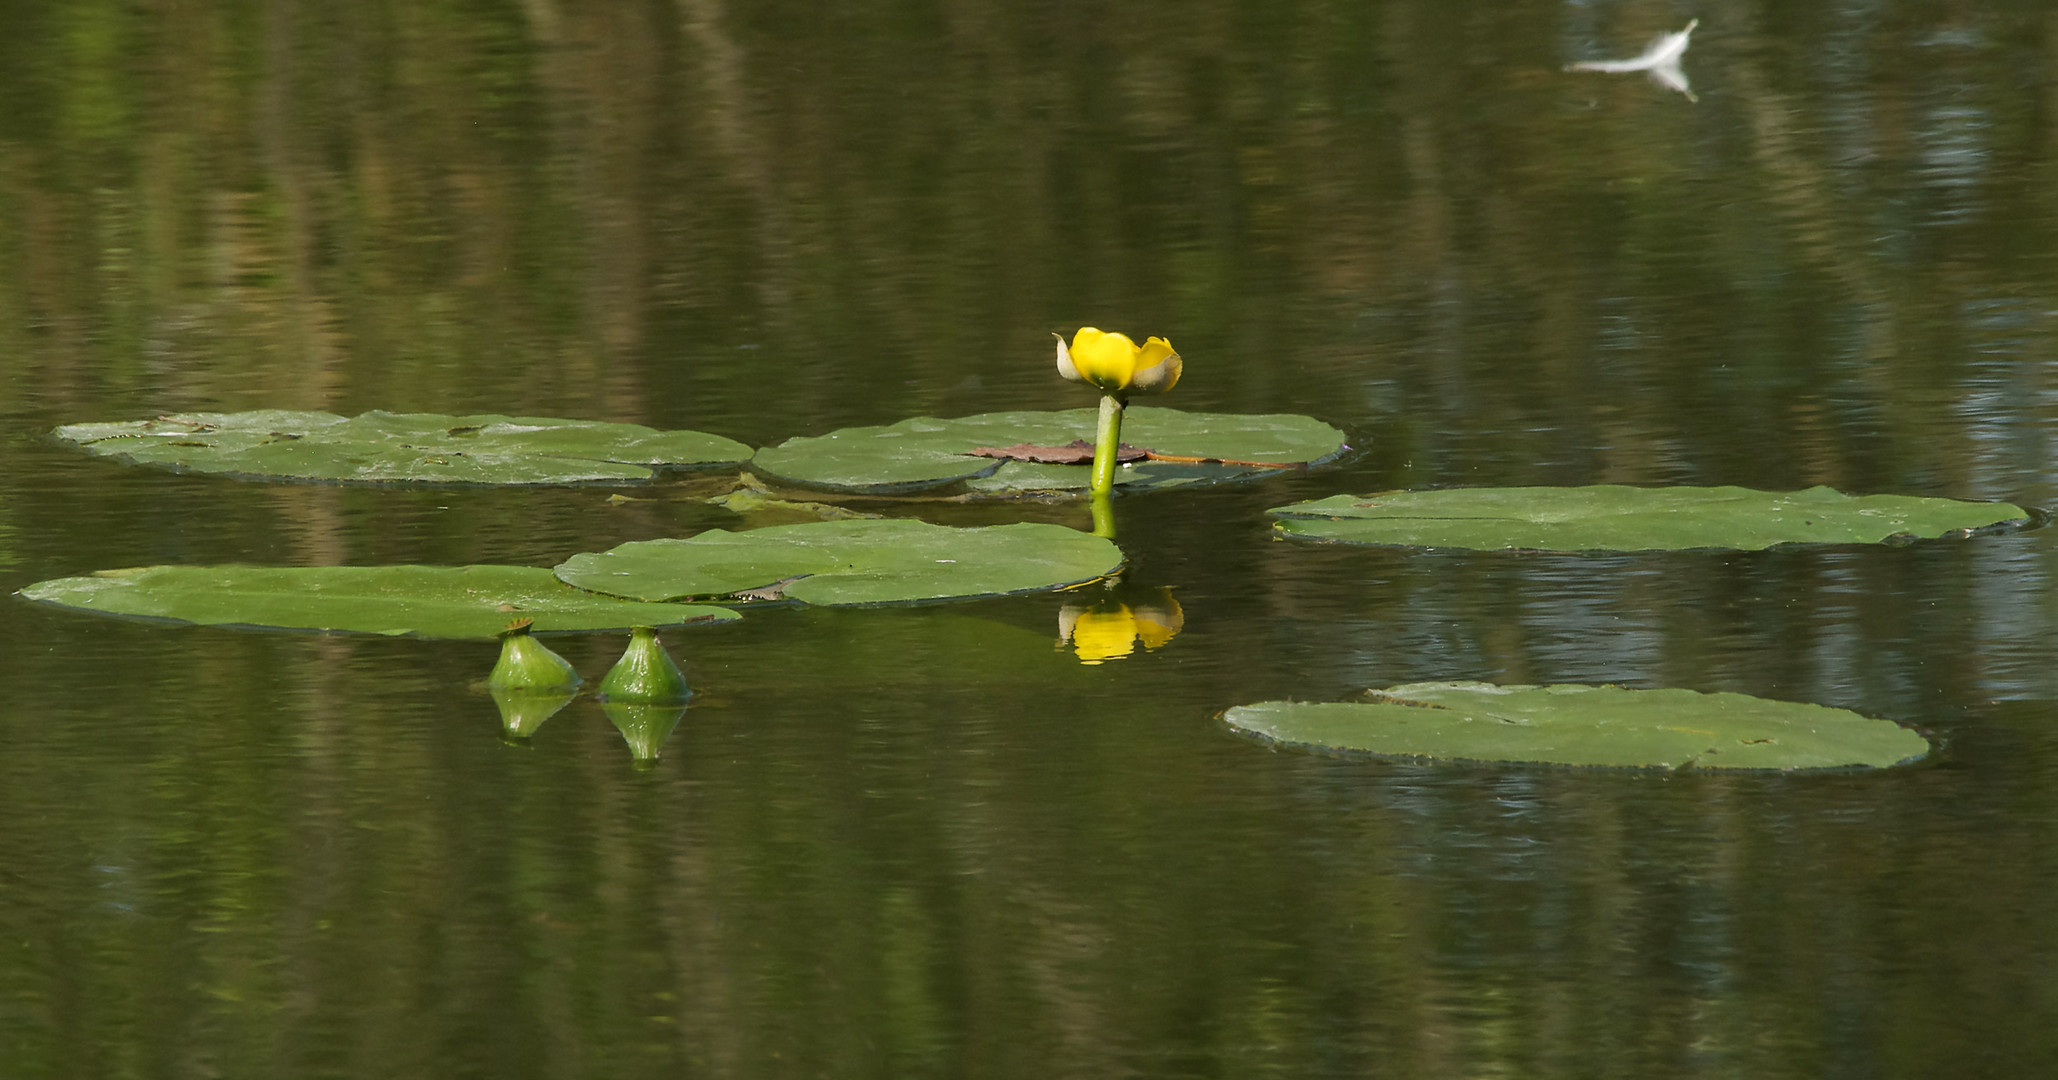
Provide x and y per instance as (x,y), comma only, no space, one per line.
(426,601)
(925,452)
(403,448)
(843,563)
(1612,517)
(1586,725)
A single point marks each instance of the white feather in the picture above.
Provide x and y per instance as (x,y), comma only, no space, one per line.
(1660,61)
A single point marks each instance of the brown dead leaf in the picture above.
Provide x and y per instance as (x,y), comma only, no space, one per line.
(1076,452)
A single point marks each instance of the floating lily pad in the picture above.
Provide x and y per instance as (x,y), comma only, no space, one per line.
(840,563)
(1586,725)
(427,601)
(1617,518)
(924,452)
(403,448)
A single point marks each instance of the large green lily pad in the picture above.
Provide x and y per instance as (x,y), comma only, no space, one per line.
(1616,518)
(403,448)
(426,601)
(1586,725)
(925,452)
(842,563)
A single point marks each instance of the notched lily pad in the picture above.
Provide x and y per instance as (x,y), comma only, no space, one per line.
(425,601)
(1012,452)
(403,448)
(1605,726)
(1613,517)
(842,563)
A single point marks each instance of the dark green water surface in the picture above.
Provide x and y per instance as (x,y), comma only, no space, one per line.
(931,842)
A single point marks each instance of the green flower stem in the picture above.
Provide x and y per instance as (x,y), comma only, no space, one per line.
(1109,442)
(1103,515)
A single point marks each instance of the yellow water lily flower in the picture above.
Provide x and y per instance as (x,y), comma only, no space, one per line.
(1116,364)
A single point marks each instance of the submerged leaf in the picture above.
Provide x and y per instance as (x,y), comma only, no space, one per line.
(1586,725)
(835,563)
(1612,517)
(763,508)
(403,448)
(925,452)
(427,601)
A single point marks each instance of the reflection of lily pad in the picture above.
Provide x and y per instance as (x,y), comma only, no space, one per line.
(820,647)
(428,601)
(1616,518)
(403,448)
(837,563)
(1587,725)
(925,452)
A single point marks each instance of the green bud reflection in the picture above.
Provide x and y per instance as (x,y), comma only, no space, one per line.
(644,727)
(523,711)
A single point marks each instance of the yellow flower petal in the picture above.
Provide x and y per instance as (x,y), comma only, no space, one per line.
(1116,364)
(1105,360)
(1157,367)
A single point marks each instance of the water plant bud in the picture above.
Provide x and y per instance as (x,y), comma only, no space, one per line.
(526,664)
(645,674)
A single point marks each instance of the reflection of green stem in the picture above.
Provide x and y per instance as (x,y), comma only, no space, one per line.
(1104,449)
(1103,515)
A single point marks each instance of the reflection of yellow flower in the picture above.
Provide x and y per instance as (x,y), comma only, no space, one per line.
(1100,636)
(1118,365)
(1104,635)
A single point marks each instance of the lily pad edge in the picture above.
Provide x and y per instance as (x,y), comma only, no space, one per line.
(712,615)
(961,487)
(1934,753)
(652,472)
(2033,517)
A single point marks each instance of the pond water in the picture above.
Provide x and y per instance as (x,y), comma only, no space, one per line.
(932,841)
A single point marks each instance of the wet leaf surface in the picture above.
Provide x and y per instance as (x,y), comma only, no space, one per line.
(840,563)
(1618,518)
(1586,725)
(425,601)
(403,448)
(925,452)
